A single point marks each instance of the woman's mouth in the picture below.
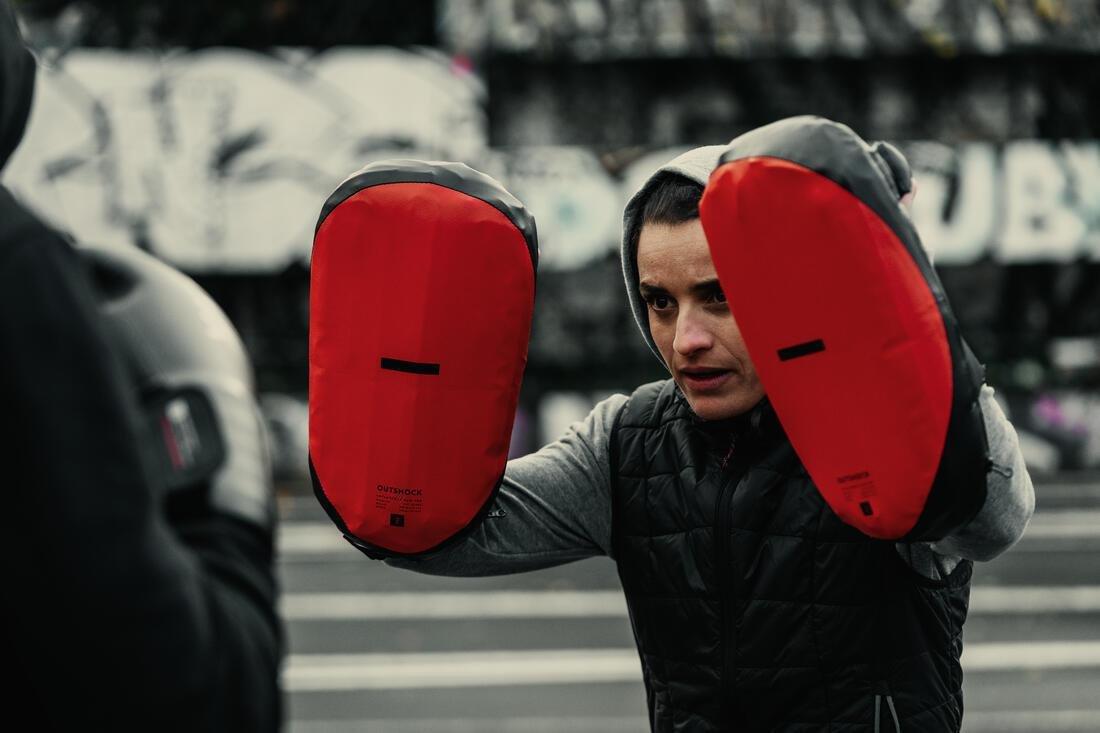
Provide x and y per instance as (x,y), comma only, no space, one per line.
(705,380)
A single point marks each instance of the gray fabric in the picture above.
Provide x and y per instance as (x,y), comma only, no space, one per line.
(555,507)
(1010,499)
(695,164)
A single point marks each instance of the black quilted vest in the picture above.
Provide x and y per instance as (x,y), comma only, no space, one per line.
(753,606)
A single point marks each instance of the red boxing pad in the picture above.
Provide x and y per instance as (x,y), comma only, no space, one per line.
(848,328)
(421,297)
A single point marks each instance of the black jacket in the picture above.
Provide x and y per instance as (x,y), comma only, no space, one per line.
(117,614)
(753,606)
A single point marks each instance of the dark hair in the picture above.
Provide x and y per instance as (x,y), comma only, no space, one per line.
(674,199)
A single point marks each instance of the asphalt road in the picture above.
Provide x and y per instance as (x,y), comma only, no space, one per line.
(382,650)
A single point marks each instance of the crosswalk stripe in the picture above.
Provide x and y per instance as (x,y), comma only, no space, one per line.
(1059,523)
(454,605)
(332,672)
(317,672)
(975,721)
(985,600)
(307,538)
(525,724)
(1031,655)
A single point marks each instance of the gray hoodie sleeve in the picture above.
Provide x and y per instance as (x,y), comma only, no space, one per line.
(554,507)
(1010,497)
(1009,504)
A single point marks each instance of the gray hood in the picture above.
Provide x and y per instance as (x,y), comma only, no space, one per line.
(876,171)
(695,164)
(16,83)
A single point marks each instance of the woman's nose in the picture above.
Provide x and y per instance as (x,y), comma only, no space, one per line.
(691,335)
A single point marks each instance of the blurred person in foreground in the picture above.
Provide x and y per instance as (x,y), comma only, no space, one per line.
(137,531)
(795,621)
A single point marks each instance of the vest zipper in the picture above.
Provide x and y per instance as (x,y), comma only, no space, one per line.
(722,562)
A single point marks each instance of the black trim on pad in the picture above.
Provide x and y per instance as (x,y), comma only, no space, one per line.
(803,349)
(412,367)
(455,176)
(380,553)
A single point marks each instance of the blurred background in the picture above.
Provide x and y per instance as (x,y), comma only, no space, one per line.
(210,133)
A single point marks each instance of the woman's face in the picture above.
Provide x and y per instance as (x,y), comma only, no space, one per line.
(691,322)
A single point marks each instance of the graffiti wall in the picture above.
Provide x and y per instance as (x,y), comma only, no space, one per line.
(218,160)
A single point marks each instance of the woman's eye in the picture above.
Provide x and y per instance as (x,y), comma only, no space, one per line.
(660,302)
(718,296)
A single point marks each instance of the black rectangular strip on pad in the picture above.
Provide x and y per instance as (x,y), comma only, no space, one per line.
(804,349)
(412,367)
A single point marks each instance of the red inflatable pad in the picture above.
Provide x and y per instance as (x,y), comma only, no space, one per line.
(422,291)
(844,332)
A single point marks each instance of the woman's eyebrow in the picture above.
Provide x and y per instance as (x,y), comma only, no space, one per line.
(706,286)
(646,289)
